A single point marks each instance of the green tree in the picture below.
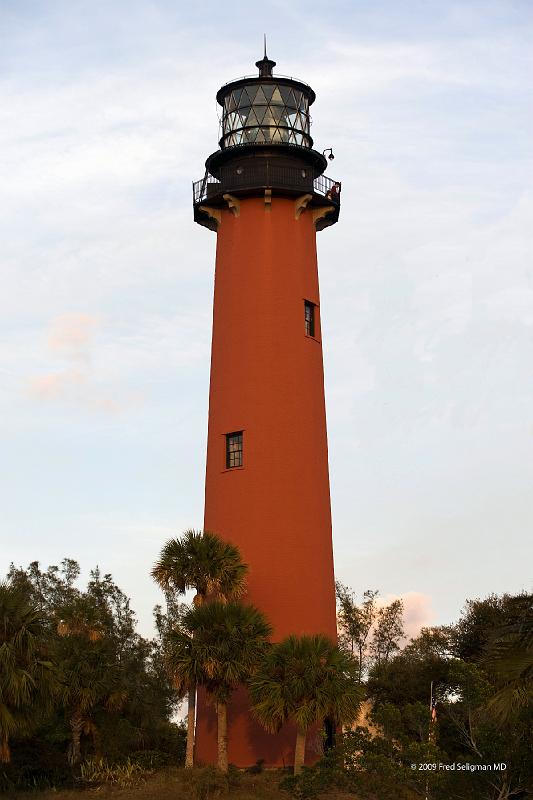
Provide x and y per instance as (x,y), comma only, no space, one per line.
(509,658)
(90,636)
(406,677)
(200,560)
(481,619)
(228,641)
(474,665)
(183,662)
(482,739)
(388,632)
(463,662)
(90,680)
(26,674)
(355,621)
(305,679)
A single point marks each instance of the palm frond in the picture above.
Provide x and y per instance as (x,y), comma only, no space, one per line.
(509,656)
(305,679)
(201,560)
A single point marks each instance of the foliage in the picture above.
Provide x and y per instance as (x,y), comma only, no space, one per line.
(151,759)
(509,657)
(226,643)
(355,622)
(207,782)
(75,676)
(370,631)
(97,770)
(202,561)
(407,677)
(27,679)
(213,567)
(365,765)
(387,633)
(229,641)
(305,679)
(481,620)
(112,695)
(470,664)
(183,659)
(35,764)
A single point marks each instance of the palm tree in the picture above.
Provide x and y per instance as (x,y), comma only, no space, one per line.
(200,560)
(90,679)
(305,679)
(187,673)
(26,676)
(229,641)
(509,656)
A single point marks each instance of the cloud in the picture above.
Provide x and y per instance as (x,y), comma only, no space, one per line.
(55,384)
(417,611)
(77,388)
(70,338)
(70,335)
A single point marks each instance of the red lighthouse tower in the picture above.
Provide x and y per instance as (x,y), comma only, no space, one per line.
(267,484)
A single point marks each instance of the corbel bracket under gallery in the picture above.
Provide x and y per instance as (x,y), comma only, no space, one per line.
(320,212)
(300,204)
(212,213)
(234,204)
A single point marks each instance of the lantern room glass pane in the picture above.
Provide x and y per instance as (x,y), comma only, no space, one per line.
(280,112)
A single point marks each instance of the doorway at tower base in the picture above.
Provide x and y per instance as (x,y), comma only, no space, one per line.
(248,742)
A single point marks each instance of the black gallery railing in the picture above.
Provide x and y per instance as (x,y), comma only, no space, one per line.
(264,175)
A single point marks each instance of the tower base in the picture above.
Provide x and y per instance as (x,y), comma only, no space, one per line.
(248,742)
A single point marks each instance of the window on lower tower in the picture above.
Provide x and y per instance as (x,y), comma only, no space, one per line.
(234,449)
(309,315)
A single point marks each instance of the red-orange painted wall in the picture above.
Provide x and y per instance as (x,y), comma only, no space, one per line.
(267,380)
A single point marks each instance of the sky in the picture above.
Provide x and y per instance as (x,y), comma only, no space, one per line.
(107,115)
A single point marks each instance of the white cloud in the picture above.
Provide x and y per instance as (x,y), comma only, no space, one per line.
(78,382)
(417,611)
(54,385)
(70,335)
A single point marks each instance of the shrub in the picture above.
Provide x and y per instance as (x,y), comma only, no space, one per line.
(97,770)
(208,782)
(257,768)
(151,759)
(35,765)
(314,781)
(368,766)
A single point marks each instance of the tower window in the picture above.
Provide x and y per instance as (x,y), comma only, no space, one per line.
(234,449)
(309,312)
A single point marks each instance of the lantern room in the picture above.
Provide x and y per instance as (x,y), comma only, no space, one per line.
(265,110)
(265,148)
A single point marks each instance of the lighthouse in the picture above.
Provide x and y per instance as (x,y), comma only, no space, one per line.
(265,195)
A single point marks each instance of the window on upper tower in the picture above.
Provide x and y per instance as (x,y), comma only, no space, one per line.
(234,449)
(309,316)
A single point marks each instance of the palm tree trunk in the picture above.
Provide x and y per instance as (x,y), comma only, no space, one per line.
(189,753)
(5,750)
(299,750)
(222,736)
(97,742)
(76,726)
